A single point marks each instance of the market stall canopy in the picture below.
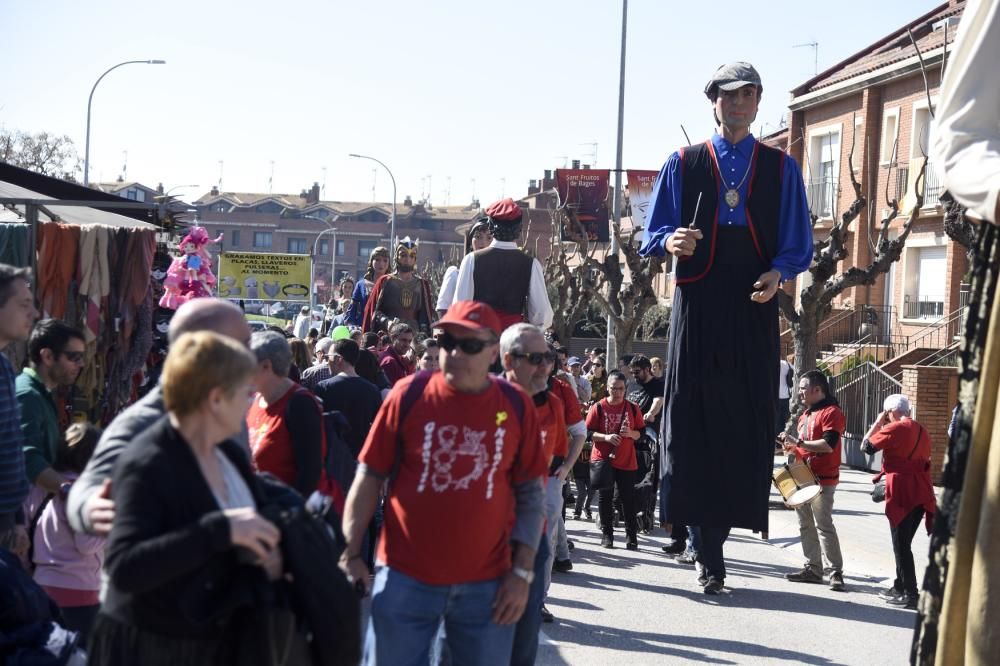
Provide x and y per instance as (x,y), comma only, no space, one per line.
(108,209)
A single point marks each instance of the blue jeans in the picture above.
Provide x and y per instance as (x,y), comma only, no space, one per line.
(406,615)
(527,628)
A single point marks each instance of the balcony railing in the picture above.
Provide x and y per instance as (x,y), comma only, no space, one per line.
(822,194)
(933,186)
(929,306)
(902,180)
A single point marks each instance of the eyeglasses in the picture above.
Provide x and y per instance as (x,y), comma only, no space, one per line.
(74,356)
(536,358)
(468,346)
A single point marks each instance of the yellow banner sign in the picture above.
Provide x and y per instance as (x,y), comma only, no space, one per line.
(264,276)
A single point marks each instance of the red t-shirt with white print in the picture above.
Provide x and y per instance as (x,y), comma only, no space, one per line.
(607,420)
(450,512)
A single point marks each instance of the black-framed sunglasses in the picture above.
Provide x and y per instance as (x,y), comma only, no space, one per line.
(470,346)
(536,358)
(74,356)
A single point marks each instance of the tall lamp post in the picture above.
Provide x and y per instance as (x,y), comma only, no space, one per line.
(392,222)
(612,342)
(86,150)
(333,256)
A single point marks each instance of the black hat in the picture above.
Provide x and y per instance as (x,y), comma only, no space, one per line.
(732,76)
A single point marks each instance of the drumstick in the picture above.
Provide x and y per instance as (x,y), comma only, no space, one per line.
(694,220)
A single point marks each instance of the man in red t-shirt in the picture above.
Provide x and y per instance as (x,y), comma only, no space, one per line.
(615,423)
(820,434)
(527,362)
(463,514)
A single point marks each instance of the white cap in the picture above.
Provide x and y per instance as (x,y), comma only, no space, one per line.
(897,402)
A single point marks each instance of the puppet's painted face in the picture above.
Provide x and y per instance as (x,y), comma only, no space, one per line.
(189,248)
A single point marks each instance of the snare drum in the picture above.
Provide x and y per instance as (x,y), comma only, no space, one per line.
(796,483)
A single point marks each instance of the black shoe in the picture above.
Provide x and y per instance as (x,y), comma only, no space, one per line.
(547,616)
(570,544)
(589,514)
(674,548)
(713,586)
(576,515)
(702,575)
(632,544)
(607,541)
(905,600)
(562,566)
(891,593)
(804,575)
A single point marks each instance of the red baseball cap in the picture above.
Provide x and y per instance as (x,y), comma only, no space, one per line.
(472,315)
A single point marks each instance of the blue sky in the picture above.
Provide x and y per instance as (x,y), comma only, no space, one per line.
(443,91)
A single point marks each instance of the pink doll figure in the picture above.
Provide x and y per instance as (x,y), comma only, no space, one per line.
(190,275)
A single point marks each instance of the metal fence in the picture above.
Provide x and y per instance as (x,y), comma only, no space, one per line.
(822,195)
(861,392)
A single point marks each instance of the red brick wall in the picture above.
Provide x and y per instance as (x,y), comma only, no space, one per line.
(932,392)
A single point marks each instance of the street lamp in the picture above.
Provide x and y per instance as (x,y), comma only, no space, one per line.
(86,150)
(392,222)
(333,257)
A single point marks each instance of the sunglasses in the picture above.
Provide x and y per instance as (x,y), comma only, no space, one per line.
(407,253)
(468,346)
(74,356)
(536,358)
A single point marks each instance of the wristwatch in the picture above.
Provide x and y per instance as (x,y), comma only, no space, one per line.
(526,574)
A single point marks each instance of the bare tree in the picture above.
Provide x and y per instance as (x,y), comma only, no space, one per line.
(44,153)
(827,283)
(602,280)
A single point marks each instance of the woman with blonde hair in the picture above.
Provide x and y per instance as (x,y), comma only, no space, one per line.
(378,265)
(188,556)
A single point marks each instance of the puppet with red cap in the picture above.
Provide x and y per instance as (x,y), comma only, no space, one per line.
(503,276)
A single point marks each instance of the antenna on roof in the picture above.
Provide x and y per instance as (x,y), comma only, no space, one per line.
(447,193)
(323,169)
(124,165)
(220,174)
(374,178)
(270,181)
(815,48)
(593,152)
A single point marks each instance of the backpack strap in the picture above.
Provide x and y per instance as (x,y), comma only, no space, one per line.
(406,403)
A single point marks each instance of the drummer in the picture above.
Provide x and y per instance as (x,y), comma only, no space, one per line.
(818,444)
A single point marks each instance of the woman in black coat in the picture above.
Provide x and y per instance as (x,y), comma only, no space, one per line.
(188,556)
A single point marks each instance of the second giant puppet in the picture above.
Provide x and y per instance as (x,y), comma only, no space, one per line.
(401,295)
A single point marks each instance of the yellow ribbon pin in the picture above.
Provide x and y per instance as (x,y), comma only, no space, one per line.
(501,417)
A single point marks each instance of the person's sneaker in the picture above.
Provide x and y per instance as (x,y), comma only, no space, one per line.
(547,616)
(632,544)
(570,544)
(702,576)
(576,515)
(562,566)
(905,600)
(674,548)
(589,514)
(713,586)
(806,575)
(687,557)
(607,541)
(890,593)
(837,581)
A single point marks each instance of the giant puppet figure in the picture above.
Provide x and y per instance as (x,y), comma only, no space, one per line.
(503,276)
(734,213)
(401,296)
(190,275)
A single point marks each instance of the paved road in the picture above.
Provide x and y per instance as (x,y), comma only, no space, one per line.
(637,608)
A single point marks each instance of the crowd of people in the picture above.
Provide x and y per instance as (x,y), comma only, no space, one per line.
(438,444)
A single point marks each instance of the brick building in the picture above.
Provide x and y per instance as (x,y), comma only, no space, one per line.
(283,223)
(875,103)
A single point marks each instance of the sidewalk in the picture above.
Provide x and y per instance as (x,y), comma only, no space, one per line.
(637,608)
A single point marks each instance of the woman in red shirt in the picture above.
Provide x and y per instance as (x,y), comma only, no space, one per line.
(909,495)
(613,423)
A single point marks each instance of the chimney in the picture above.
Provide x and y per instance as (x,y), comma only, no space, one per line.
(215,191)
(576,164)
(475,203)
(159,188)
(312,196)
(532,187)
(408,201)
(548,182)
(586,166)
